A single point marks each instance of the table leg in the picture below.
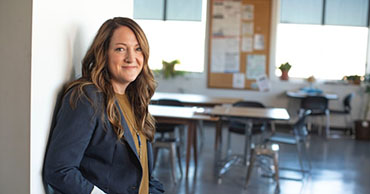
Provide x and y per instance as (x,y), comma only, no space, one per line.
(218,138)
(226,164)
(188,148)
(248,141)
(195,144)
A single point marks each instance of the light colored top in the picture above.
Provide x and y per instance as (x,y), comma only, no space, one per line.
(125,105)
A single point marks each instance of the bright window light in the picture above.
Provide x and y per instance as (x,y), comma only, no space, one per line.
(182,40)
(326,52)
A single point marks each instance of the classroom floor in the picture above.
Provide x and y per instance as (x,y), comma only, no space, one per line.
(339,166)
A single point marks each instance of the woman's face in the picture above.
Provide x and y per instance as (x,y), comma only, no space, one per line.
(125,58)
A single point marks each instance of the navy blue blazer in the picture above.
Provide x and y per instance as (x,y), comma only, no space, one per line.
(84,151)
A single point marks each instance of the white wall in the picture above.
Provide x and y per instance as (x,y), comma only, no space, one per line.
(15,63)
(62,32)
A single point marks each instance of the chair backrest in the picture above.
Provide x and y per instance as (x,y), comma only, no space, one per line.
(167,127)
(238,127)
(169,102)
(317,104)
(299,128)
(347,103)
(253,104)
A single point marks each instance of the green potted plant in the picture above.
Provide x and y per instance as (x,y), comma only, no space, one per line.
(353,79)
(285,67)
(362,126)
(168,69)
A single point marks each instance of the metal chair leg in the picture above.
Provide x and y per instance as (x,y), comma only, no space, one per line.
(179,158)
(173,163)
(327,129)
(248,142)
(307,156)
(228,145)
(246,147)
(299,153)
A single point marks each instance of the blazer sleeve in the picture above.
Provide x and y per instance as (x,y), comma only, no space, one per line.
(69,140)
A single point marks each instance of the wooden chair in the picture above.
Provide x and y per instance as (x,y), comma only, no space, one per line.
(168,139)
(297,138)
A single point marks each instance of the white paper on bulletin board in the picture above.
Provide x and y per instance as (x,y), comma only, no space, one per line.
(256,66)
(263,83)
(232,62)
(225,55)
(247,44)
(218,58)
(226,18)
(238,80)
(247,29)
(248,12)
(259,42)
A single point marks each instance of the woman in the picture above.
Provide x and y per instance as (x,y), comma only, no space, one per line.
(101,141)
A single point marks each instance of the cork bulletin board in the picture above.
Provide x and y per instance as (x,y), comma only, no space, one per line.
(239,43)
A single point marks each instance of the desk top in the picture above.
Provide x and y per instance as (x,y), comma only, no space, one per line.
(302,94)
(176,112)
(252,113)
(195,99)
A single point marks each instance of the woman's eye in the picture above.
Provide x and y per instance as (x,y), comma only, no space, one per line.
(120,49)
(139,49)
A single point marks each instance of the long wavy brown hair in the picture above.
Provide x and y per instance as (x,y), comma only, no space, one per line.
(95,71)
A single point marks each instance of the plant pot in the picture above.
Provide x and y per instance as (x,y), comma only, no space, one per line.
(356,82)
(284,75)
(362,130)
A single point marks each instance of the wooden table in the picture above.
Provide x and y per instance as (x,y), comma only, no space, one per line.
(186,116)
(195,99)
(245,115)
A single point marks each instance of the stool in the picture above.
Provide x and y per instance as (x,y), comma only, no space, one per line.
(271,151)
(172,145)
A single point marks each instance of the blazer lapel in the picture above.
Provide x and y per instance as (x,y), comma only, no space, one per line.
(127,133)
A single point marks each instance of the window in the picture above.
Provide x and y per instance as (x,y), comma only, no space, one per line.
(334,48)
(327,12)
(187,10)
(326,52)
(190,10)
(301,11)
(347,12)
(182,40)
